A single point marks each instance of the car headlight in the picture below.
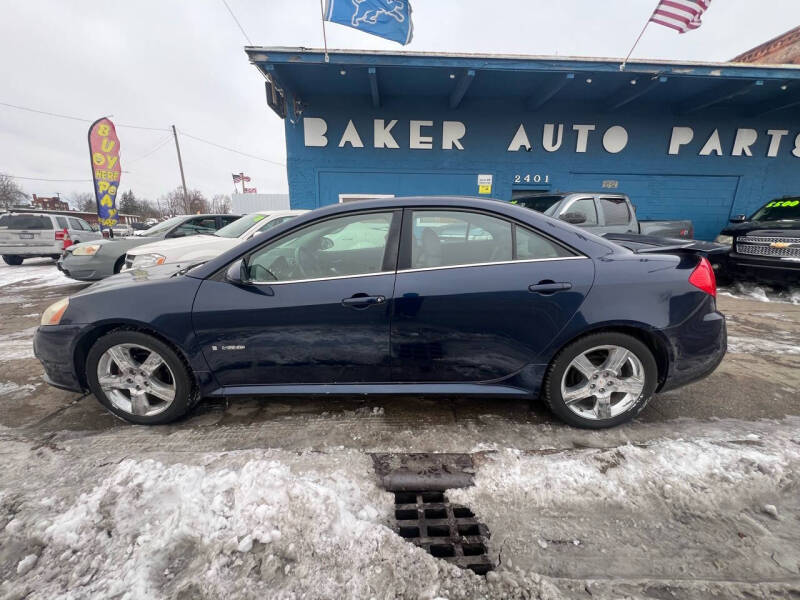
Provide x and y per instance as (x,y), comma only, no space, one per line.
(52,315)
(726,240)
(141,261)
(86,249)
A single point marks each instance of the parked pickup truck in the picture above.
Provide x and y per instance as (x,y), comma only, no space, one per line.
(602,213)
(766,246)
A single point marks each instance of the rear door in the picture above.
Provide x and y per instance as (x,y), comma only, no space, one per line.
(479,298)
(315,309)
(26,233)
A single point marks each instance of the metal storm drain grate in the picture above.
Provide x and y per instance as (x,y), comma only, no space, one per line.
(447,531)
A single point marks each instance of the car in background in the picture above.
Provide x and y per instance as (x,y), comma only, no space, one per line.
(202,247)
(383,297)
(122,230)
(600,213)
(104,257)
(34,234)
(766,246)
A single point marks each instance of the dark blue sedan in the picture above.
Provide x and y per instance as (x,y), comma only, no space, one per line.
(401,296)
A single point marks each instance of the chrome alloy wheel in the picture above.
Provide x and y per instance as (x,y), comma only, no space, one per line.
(603,382)
(136,379)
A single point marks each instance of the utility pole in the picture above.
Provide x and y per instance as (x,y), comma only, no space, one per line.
(180,164)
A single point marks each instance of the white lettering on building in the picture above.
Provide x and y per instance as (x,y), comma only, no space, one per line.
(775,141)
(615,139)
(712,145)
(583,136)
(452,132)
(314,132)
(547,137)
(350,136)
(520,140)
(744,139)
(383,136)
(680,137)
(417,141)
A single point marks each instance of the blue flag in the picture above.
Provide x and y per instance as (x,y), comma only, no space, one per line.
(390,19)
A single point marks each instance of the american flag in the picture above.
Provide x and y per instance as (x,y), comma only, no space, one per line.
(680,15)
(246,190)
(239,177)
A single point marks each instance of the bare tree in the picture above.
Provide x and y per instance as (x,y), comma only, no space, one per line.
(10,192)
(84,202)
(191,203)
(221,203)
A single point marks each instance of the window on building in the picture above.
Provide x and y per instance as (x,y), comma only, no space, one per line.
(615,211)
(448,238)
(585,207)
(351,245)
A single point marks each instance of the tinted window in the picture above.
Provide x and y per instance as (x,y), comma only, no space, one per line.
(25,222)
(229,219)
(532,245)
(351,245)
(62,222)
(240,225)
(615,211)
(195,226)
(537,202)
(444,238)
(585,207)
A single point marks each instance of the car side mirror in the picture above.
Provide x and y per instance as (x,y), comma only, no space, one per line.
(237,272)
(573,218)
(738,219)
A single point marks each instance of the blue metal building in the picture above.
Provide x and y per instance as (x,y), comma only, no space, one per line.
(683,140)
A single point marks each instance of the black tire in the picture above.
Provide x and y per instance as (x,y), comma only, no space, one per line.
(12,260)
(185,390)
(551,389)
(119,264)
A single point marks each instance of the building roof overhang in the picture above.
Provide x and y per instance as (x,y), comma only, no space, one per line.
(302,76)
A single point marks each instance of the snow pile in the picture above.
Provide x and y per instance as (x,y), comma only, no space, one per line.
(754,291)
(17,346)
(741,344)
(32,276)
(253,530)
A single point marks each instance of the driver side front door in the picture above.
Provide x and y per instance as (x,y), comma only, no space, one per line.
(316,309)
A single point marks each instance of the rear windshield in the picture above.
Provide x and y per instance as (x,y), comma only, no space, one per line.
(785,209)
(536,202)
(26,222)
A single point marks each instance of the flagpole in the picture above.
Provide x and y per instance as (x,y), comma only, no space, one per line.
(636,43)
(324,34)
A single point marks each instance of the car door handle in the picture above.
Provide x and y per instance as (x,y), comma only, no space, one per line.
(549,287)
(359,301)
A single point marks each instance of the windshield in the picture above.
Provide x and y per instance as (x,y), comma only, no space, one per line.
(163,227)
(25,222)
(785,209)
(538,203)
(239,226)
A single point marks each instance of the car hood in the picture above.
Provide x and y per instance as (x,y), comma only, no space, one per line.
(790,228)
(133,277)
(178,246)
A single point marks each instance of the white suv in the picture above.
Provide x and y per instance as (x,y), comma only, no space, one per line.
(28,235)
(199,248)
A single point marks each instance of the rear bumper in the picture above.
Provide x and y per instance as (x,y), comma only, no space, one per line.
(54,346)
(772,270)
(31,251)
(697,346)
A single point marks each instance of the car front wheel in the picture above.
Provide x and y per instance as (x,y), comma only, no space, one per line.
(601,380)
(139,378)
(12,259)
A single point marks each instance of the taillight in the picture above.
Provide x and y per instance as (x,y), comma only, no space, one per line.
(703,277)
(63,236)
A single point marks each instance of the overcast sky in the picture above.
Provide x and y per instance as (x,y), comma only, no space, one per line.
(154,63)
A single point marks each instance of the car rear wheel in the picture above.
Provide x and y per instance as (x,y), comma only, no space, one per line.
(139,378)
(12,259)
(601,380)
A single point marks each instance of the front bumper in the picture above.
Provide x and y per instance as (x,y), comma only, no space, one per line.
(54,346)
(85,268)
(768,270)
(697,346)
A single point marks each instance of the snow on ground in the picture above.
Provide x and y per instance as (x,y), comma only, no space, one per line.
(315,524)
(762,293)
(784,343)
(17,346)
(33,274)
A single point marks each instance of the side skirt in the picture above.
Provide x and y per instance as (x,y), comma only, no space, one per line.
(389,389)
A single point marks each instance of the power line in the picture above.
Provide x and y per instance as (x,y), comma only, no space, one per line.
(74,118)
(237,23)
(194,137)
(163,142)
(44,179)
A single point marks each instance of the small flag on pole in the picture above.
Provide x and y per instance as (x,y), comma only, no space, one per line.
(680,15)
(390,19)
(247,190)
(239,177)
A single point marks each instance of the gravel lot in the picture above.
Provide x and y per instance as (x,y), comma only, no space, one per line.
(700,497)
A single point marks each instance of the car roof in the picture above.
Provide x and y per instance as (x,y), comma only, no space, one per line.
(582,240)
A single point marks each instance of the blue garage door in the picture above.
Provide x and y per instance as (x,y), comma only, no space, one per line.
(331,184)
(705,199)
